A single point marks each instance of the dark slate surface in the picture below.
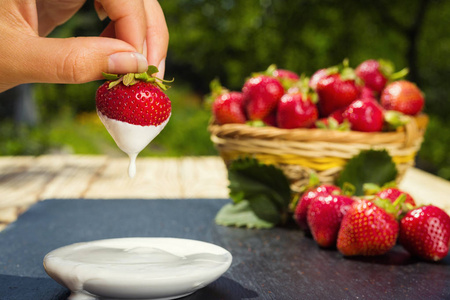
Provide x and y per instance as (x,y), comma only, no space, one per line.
(267,264)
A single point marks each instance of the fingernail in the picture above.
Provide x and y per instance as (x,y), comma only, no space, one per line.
(127,62)
(161,69)
(101,13)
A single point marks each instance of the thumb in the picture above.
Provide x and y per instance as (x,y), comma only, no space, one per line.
(79,60)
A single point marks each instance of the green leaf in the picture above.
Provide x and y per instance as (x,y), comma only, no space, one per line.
(240,215)
(109,76)
(369,166)
(152,70)
(115,82)
(396,119)
(142,76)
(266,209)
(128,79)
(265,187)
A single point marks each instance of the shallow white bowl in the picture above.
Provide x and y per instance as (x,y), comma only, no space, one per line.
(136,268)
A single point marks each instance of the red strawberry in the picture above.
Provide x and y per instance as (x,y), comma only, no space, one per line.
(338,115)
(316,77)
(371,72)
(271,119)
(301,210)
(134,110)
(367,93)
(403,96)
(324,217)
(138,101)
(377,73)
(425,232)
(393,193)
(228,107)
(335,91)
(364,115)
(261,94)
(367,230)
(296,111)
(285,74)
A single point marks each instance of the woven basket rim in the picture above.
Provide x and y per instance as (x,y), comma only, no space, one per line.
(407,135)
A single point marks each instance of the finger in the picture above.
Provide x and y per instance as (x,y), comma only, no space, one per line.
(52,13)
(77,60)
(129,20)
(157,36)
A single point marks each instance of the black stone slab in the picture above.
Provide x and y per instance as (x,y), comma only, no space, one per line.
(280,263)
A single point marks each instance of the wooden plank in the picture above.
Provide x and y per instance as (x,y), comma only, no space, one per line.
(74,178)
(426,188)
(203,177)
(12,166)
(155,178)
(22,188)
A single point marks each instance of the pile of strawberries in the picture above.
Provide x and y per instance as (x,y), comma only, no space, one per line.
(367,98)
(373,224)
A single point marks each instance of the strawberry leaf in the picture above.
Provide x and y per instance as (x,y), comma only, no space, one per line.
(369,166)
(240,215)
(152,70)
(265,187)
(396,119)
(109,76)
(128,79)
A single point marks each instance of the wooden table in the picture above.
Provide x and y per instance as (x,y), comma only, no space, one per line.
(25,180)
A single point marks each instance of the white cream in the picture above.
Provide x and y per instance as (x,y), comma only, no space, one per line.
(136,268)
(130,138)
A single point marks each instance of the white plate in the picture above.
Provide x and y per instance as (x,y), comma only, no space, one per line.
(136,268)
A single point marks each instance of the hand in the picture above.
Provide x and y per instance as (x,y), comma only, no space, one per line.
(136,37)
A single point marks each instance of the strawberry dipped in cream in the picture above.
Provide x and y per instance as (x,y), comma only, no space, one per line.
(134,110)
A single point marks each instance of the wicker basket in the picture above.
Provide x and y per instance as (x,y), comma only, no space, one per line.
(298,152)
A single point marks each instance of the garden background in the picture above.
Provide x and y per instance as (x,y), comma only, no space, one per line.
(230,39)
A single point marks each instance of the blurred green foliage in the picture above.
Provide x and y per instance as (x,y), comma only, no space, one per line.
(229,39)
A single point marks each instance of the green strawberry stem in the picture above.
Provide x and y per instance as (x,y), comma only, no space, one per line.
(133,78)
(348,189)
(398,75)
(396,119)
(256,123)
(395,209)
(269,72)
(371,188)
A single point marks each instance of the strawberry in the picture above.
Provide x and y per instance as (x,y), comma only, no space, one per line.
(271,119)
(227,107)
(136,99)
(367,229)
(425,232)
(296,111)
(338,115)
(364,115)
(287,78)
(283,74)
(316,77)
(403,96)
(324,217)
(377,73)
(301,210)
(367,93)
(336,90)
(134,110)
(261,94)
(371,73)
(393,193)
